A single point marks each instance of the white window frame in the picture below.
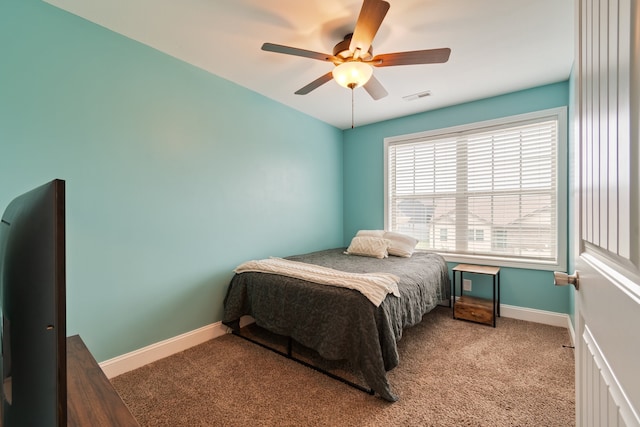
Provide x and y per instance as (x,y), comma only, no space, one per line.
(559,114)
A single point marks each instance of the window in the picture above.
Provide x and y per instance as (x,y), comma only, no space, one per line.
(499,239)
(476,234)
(492,187)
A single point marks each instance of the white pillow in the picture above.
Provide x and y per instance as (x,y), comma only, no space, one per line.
(375,247)
(401,244)
(370,233)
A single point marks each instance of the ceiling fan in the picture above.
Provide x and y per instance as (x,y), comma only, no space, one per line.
(353,56)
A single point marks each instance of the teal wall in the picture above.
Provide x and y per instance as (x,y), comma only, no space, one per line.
(364,180)
(174,176)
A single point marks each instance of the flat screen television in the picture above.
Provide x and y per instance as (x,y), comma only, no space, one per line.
(33,304)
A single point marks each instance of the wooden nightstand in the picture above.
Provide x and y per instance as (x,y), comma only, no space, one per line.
(479,310)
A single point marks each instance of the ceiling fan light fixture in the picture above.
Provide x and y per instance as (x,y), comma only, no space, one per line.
(352,74)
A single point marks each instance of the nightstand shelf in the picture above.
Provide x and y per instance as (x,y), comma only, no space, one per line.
(480,310)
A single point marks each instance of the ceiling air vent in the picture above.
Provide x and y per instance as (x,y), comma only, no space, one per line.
(417,95)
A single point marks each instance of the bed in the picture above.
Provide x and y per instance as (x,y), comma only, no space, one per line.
(341,323)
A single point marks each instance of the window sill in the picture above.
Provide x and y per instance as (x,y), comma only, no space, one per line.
(503,262)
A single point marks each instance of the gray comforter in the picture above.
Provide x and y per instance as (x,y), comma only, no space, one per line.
(341,323)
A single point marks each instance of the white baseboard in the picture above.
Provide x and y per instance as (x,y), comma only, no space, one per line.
(537,316)
(138,358)
(572,331)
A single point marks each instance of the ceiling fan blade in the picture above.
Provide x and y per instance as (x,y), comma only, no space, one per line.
(278,48)
(375,88)
(430,56)
(315,84)
(369,21)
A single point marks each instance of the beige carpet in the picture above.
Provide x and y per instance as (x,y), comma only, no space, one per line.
(451,373)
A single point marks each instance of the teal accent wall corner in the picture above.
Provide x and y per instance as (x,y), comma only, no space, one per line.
(174,176)
(364,177)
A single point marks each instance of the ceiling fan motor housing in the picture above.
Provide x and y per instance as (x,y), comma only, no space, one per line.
(342,50)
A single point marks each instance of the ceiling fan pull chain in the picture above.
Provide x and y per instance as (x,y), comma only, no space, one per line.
(352,108)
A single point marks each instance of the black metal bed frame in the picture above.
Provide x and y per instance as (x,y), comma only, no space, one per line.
(289,355)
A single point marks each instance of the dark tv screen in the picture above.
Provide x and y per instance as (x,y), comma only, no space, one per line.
(32,283)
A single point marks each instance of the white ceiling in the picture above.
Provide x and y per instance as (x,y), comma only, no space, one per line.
(497,46)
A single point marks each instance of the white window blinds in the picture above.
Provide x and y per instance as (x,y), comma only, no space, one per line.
(483,192)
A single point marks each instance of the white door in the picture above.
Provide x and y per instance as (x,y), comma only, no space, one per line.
(607,136)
